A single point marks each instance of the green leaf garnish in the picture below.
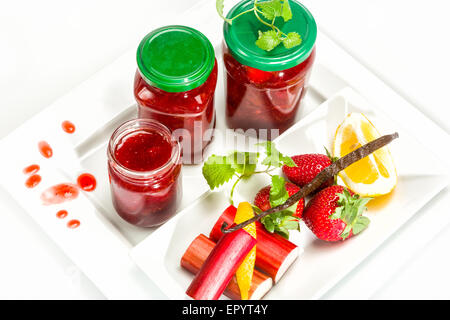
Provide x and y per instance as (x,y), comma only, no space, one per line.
(267,12)
(217,170)
(292,39)
(274,157)
(268,40)
(244,162)
(219,8)
(278,192)
(286,12)
(281,222)
(271,9)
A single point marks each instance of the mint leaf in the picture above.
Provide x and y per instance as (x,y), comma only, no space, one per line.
(217,170)
(219,8)
(278,193)
(292,39)
(271,9)
(281,222)
(268,40)
(286,12)
(274,157)
(244,162)
(268,224)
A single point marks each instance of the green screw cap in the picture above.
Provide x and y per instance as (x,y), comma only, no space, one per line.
(175,58)
(240,38)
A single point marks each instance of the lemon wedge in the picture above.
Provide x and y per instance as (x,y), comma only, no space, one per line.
(373,176)
(244,273)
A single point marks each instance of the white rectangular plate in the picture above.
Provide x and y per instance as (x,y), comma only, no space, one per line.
(100,246)
(322,264)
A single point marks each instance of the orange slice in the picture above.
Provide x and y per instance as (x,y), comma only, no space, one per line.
(372,176)
(244,273)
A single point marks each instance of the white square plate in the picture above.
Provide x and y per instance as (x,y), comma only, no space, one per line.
(100,246)
(322,264)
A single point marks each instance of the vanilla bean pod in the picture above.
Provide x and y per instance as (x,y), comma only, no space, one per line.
(326,174)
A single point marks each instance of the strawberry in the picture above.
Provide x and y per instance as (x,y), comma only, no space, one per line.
(263,195)
(335,213)
(308,167)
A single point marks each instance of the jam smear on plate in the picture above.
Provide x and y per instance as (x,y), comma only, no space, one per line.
(60,193)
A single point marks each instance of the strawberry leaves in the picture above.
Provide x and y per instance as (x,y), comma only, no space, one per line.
(267,12)
(350,209)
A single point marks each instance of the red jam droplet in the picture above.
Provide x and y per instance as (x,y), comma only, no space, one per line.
(87,182)
(73,224)
(45,149)
(59,193)
(33,181)
(32,169)
(68,126)
(143,150)
(61,214)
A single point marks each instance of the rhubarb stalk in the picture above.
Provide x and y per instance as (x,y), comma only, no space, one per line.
(220,266)
(198,252)
(274,254)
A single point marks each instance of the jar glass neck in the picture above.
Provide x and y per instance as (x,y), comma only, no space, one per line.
(131,127)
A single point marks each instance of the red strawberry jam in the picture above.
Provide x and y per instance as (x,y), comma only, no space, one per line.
(264,89)
(144,168)
(175,84)
(258,99)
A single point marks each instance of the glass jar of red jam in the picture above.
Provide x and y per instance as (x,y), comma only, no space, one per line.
(175,83)
(144,170)
(264,88)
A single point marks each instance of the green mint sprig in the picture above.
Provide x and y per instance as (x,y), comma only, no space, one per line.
(218,170)
(283,221)
(267,12)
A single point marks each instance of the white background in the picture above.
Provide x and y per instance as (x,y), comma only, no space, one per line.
(47,47)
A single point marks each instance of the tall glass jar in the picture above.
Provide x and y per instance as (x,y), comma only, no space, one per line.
(175,84)
(264,89)
(144,171)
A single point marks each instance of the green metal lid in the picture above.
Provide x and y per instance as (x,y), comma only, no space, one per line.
(175,58)
(240,38)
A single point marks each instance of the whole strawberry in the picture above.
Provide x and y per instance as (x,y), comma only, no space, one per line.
(335,213)
(308,167)
(262,198)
